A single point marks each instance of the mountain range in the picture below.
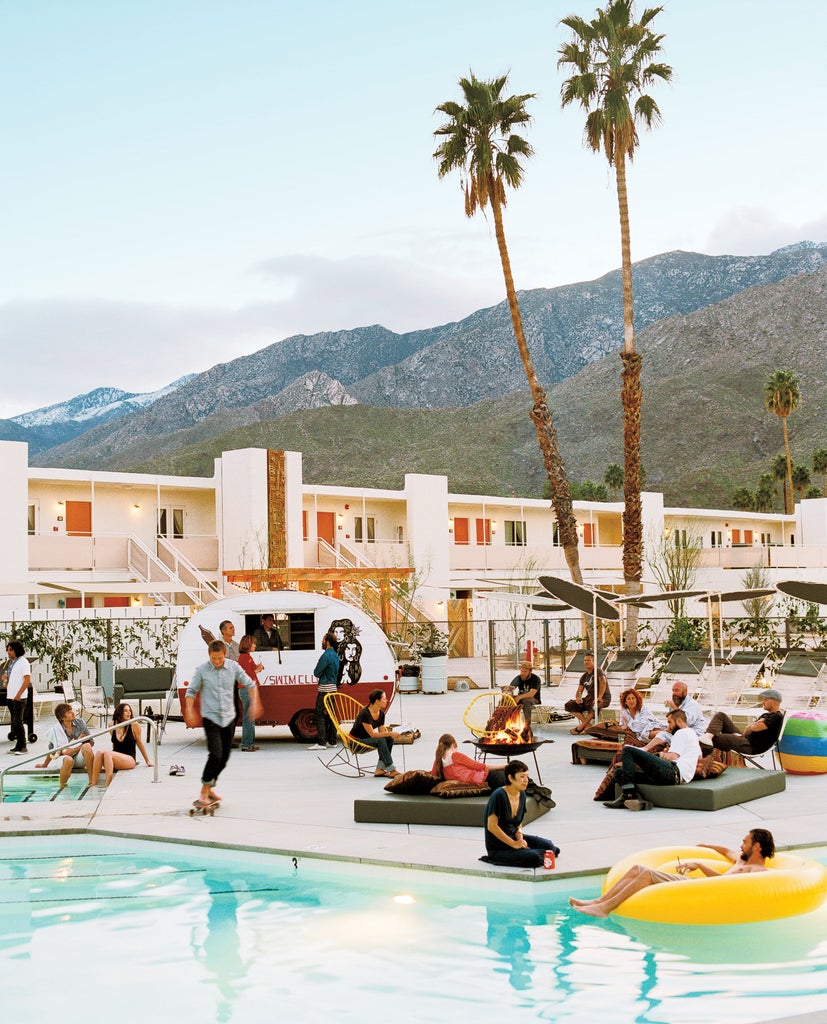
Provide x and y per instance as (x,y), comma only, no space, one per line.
(710,329)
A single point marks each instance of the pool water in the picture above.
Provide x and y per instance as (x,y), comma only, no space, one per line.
(155,932)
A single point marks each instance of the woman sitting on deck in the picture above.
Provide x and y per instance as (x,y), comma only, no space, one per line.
(125,741)
(637,718)
(505,843)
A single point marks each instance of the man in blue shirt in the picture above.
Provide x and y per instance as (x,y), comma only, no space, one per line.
(214,680)
(327,672)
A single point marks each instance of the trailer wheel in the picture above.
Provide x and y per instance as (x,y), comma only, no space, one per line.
(303,725)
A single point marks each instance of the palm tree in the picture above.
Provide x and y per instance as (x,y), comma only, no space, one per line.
(779,472)
(743,499)
(480,142)
(765,492)
(782,394)
(613,478)
(820,466)
(801,479)
(613,60)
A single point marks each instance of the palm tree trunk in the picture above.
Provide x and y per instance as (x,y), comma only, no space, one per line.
(541,415)
(789,504)
(631,397)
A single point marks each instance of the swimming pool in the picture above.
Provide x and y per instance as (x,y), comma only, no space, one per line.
(93,927)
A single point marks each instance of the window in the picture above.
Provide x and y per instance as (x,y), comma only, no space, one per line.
(364,529)
(296,629)
(171,522)
(483,532)
(515,533)
(680,538)
(461,533)
(555,533)
(32,520)
(716,539)
(766,538)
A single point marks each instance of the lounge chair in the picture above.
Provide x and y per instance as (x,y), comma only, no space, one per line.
(343,709)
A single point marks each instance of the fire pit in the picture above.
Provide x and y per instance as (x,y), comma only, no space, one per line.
(510,751)
(507,734)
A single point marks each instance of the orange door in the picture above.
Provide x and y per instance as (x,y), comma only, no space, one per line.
(326,526)
(460,530)
(588,535)
(79,518)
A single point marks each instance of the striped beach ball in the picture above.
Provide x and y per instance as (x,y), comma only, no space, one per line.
(803,744)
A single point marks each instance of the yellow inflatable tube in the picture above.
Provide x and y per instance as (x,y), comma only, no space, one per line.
(792,885)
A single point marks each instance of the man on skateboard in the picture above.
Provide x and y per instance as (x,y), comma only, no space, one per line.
(214,680)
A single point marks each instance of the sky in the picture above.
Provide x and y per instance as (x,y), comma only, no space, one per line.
(186,181)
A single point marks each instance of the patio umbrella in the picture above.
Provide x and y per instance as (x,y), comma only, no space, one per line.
(584,600)
(814,593)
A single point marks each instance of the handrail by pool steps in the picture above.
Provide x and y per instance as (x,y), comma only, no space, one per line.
(55,751)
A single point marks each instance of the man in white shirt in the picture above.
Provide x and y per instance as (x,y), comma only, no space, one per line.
(670,767)
(18,680)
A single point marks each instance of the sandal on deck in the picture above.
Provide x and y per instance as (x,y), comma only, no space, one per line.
(177,769)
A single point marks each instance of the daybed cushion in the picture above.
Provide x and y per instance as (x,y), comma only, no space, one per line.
(737,786)
(390,808)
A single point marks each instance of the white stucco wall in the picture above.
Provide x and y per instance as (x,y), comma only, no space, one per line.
(241,509)
(427,530)
(14,550)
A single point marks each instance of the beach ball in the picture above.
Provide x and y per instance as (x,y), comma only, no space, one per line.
(803,744)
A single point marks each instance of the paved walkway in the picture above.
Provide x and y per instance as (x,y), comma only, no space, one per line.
(282,799)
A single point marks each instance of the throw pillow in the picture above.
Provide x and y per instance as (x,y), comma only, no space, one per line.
(709,767)
(450,789)
(413,783)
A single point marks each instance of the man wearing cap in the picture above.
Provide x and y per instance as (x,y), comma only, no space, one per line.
(526,688)
(756,738)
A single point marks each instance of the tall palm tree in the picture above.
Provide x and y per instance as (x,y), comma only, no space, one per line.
(479,141)
(782,393)
(820,466)
(613,59)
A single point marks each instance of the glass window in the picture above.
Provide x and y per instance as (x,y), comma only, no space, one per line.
(515,533)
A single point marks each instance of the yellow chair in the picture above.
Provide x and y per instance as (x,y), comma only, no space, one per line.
(479,712)
(343,709)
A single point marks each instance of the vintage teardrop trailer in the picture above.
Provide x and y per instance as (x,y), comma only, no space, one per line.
(287,685)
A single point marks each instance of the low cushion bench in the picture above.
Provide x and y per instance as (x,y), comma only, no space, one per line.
(735,786)
(400,809)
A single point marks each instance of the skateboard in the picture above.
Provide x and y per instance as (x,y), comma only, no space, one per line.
(202,809)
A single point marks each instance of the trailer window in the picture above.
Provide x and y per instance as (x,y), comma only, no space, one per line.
(296,629)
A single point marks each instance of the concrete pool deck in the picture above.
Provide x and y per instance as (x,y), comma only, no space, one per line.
(281,799)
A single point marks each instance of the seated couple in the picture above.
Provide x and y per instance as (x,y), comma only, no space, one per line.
(672,766)
(757,847)
(505,842)
(121,757)
(454,766)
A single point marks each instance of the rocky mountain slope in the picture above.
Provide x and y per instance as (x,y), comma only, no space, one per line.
(453,365)
(704,432)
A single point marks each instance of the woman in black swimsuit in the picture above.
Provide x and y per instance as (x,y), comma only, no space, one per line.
(126,740)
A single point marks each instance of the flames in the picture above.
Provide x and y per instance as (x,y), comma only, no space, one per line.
(507,725)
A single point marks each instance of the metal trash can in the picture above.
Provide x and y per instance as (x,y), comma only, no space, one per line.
(434,673)
(409,679)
